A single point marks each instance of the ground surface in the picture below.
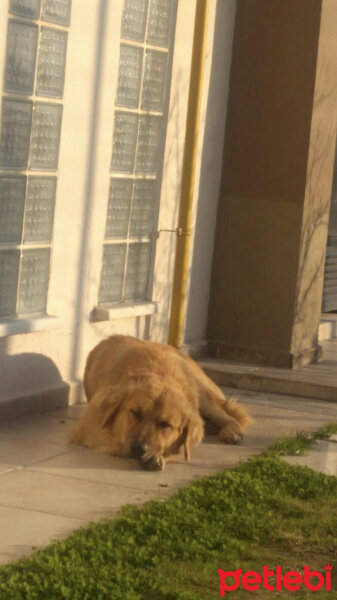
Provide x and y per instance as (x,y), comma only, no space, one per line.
(48,488)
(263,513)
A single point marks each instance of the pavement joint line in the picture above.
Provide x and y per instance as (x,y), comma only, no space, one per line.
(44,512)
(101,483)
(12,468)
(32,464)
(34,438)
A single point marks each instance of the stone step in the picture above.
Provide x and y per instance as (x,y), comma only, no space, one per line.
(313,381)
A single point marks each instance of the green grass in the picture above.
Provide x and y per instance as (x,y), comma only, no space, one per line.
(262,512)
(288,446)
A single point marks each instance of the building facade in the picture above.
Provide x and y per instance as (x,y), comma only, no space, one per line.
(93,113)
(94,104)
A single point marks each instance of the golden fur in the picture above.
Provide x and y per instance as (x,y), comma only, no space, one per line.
(145,400)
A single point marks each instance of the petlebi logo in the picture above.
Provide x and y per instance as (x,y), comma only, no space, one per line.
(291,580)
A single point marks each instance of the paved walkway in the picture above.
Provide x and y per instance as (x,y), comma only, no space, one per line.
(48,488)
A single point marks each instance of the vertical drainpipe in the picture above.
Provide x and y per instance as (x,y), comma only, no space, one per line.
(184,229)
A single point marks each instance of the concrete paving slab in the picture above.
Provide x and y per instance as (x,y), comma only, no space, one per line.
(70,412)
(23,530)
(19,452)
(65,496)
(87,465)
(39,427)
(42,475)
(6,468)
(321,457)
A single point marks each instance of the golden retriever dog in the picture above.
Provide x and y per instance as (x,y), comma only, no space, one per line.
(146,400)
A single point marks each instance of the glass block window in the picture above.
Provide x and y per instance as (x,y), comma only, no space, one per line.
(21,57)
(9,273)
(130,71)
(137,149)
(45,136)
(39,213)
(143,208)
(124,142)
(56,11)
(137,270)
(149,138)
(30,130)
(52,58)
(25,8)
(111,288)
(153,94)
(117,222)
(134,19)
(12,194)
(16,123)
(160,22)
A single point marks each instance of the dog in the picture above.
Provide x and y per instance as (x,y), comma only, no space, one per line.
(146,400)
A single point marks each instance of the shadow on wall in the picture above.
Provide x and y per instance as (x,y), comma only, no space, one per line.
(29,383)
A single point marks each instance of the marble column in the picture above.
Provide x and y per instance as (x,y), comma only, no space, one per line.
(267,275)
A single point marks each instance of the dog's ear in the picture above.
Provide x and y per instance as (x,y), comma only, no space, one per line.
(110,415)
(192,434)
(109,401)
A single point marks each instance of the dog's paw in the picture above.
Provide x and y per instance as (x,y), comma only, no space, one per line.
(230,433)
(155,463)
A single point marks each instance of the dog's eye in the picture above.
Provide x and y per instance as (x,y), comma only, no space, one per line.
(165,425)
(136,413)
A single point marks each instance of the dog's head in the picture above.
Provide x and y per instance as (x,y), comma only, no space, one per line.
(151,418)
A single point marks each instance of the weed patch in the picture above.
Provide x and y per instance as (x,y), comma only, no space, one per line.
(289,446)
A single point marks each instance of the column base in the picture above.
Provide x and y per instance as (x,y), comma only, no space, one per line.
(265,356)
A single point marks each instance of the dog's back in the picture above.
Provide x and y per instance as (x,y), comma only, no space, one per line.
(120,357)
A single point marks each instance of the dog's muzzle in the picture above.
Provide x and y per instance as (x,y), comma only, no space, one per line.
(138,450)
(152,463)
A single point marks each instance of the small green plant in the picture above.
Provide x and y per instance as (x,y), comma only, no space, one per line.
(263,511)
(290,446)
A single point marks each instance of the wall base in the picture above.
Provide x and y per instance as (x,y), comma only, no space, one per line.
(64,394)
(267,357)
(195,349)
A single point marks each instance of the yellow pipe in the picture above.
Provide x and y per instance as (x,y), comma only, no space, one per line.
(188,174)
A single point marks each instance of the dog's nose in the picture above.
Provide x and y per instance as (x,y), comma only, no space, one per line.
(138,449)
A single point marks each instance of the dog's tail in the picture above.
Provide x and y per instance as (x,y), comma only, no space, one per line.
(236,411)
